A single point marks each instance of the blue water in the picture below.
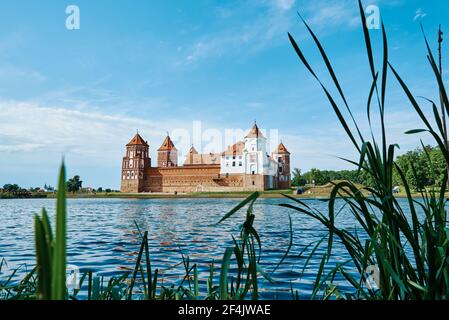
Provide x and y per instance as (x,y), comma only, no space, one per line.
(103,237)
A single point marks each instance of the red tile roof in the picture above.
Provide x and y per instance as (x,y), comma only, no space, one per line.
(254,132)
(137,140)
(281,149)
(235,149)
(167,145)
(193,150)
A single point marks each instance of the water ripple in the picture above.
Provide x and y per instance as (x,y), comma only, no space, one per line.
(102,236)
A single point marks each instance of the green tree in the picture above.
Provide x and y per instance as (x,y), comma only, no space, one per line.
(322,177)
(74,184)
(422,167)
(438,164)
(11,187)
(315,176)
(298,179)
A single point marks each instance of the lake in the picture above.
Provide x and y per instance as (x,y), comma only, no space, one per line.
(103,236)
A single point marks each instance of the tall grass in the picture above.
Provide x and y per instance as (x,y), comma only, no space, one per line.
(409,254)
(51,251)
(247,252)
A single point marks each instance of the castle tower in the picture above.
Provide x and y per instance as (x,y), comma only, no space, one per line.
(192,153)
(167,154)
(255,147)
(134,163)
(282,156)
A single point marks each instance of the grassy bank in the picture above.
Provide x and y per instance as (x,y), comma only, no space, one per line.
(318,192)
(9,195)
(121,195)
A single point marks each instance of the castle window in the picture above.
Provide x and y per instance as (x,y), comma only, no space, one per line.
(254,183)
(233,163)
(240,164)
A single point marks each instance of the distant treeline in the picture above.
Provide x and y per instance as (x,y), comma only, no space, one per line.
(73,185)
(322,177)
(14,191)
(421,167)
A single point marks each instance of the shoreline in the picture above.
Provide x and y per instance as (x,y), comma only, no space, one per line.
(266,195)
(172,196)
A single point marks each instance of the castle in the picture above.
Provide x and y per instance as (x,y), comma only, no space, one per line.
(244,166)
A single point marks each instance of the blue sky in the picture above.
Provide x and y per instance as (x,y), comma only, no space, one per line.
(160,65)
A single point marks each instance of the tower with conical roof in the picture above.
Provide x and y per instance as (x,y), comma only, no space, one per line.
(167,154)
(255,151)
(282,156)
(134,163)
(191,155)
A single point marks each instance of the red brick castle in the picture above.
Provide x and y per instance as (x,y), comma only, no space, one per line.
(244,166)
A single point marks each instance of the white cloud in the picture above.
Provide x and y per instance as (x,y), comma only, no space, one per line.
(27,127)
(269,25)
(32,128)
(327,15)
(11,72)
(317,148)
(419,14)
(283,4)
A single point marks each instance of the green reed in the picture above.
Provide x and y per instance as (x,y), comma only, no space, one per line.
(380,245)
(51,251)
